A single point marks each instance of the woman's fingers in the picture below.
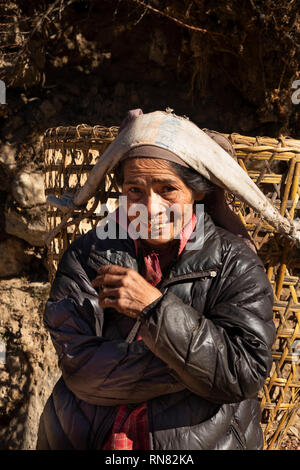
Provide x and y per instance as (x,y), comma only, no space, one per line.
(124,289)
(112,275)
(109,302)
(121,305)
(108,280)
(112,269)
(110,292)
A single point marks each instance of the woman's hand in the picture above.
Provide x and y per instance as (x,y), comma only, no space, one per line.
(124,290)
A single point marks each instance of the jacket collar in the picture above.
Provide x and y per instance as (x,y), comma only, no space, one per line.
(202,252)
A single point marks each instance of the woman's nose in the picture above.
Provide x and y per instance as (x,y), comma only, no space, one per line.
(155,205)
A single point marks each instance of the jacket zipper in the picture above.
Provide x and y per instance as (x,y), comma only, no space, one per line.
(238,437)
(104,428)
(185,277)
(165,283)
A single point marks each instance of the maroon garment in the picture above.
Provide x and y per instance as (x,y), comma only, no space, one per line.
(130,430)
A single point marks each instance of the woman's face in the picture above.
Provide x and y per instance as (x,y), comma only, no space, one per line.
(154,184)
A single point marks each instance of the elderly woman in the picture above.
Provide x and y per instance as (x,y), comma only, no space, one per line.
(163,342)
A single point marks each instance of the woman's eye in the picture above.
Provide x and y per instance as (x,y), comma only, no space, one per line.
(168,189)
(134,190)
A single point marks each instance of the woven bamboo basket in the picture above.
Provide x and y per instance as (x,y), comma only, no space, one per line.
(274,165)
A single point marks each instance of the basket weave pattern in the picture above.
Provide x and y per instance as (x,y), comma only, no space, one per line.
(274,165)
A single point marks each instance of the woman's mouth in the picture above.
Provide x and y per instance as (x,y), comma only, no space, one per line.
(158,226)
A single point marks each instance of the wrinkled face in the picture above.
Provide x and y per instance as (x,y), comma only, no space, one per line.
(166,201)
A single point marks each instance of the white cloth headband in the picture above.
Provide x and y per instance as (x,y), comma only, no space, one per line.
(198,150)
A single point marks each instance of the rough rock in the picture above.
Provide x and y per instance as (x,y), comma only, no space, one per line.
(8,157)
(28,189)
(158,48)
(30,370)
(13,257)
(7,165)
(27,224)
(5,181)
(120,90)
(47,108)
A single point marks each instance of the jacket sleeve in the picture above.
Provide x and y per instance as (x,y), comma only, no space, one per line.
(223,355)
(97,370)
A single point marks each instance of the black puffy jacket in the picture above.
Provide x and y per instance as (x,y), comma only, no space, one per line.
(205,352)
